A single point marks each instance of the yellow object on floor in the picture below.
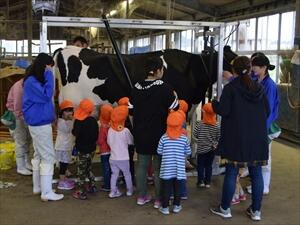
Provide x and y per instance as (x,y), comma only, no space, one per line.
(7,155)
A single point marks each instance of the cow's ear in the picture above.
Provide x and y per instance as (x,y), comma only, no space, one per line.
(87,56)
(62,68)
(74,66)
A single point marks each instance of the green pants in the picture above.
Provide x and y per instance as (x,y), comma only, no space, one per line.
(141,174)
(85,170)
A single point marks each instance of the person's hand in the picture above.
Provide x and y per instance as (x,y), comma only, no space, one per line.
(227,75)
(48,67)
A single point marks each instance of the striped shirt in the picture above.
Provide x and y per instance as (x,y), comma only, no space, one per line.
(173,152)
(207,136)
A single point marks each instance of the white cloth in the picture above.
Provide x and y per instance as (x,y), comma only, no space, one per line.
(118,142)
(43,143)
(64,139)
(22,138)
(266,171)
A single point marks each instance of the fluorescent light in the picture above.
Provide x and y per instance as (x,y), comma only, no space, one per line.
(113,12)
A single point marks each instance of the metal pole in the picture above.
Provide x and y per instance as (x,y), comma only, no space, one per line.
(220,61)
(29,28)
(297,25)
(119,57)
(43,37)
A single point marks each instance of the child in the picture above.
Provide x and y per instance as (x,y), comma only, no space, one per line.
(64,143)
(207,133)
(239,194)
(173,147)
(104,118)
(86,134)
(118,138)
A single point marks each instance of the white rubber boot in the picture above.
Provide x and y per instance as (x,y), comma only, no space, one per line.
(36,176)
(21,168)
(46,183)
(27,162)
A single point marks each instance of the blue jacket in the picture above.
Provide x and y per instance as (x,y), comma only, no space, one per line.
(271,92)
(38,108)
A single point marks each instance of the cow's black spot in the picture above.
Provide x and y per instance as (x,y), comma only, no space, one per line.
(99,68)
(62,68)
(74,66)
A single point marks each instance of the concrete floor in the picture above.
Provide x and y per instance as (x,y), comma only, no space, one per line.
(281,206)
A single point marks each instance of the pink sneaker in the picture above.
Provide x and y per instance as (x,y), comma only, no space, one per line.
(235,201)
(157,204)
(242,197)
(65,185)
(143,200)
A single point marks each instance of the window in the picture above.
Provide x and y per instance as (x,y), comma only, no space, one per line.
(267,36)
(246,35)
(130,44)
(175,40)
(56,44)
(10,46)
(273,61)
(141,42)
(230,36)
(186,40)
(159,42)
(287,30)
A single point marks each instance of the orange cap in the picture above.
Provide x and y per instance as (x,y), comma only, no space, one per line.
(123,101)
(105,113)
(85,108)
(174,124)
(183,106)
(118,117)
(66,104)
(209,116)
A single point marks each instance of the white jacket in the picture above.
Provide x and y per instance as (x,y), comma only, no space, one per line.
(64,139)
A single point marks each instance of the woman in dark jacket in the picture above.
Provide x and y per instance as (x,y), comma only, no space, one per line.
(244,109)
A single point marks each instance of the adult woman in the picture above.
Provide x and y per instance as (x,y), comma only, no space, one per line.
(38,111)
(151,100)
(244,110)
(260,66)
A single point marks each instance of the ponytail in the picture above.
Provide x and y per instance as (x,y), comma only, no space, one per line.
(242,67)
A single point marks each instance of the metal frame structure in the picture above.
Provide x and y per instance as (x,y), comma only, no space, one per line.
(55,21)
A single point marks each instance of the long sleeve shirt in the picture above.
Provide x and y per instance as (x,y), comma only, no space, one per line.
(14,99)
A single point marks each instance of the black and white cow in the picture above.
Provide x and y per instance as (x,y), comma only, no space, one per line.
(84,73)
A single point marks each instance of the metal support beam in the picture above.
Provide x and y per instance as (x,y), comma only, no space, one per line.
(29,28)
(297,25)
(196,5)
(220,60)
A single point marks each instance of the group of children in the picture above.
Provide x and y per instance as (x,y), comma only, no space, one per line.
(115,139)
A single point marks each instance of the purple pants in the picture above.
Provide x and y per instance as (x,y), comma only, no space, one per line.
(117,166)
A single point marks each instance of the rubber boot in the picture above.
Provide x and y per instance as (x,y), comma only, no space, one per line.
(36,176)
(46,183)
(21,167)
(27,162)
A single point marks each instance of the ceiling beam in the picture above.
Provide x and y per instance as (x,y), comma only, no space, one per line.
(195,5)
(145,13)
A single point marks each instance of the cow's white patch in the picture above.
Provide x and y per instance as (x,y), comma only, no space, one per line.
(164,62)
(84,87)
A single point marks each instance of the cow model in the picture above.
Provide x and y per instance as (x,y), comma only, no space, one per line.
(84,73)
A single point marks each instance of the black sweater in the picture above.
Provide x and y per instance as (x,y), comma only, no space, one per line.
(243,127)
(86,134)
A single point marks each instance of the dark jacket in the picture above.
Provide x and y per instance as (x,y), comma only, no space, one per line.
(243,127)
(86,134)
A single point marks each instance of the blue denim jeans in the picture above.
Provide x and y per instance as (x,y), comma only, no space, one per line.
(230,183)
(106,170)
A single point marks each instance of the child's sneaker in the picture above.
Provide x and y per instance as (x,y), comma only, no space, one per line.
(185,197)
(221,212)
(157,204)
(115,194)
(235,201)
(129,193)
(164,211)
(200,184)
(91,189)
(243,197)
(177,208)
(255,216)
(207,185)
(143,200)
(105,189)
(65,185)
(79,195)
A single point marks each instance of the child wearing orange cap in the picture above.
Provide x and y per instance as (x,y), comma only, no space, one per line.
(64,143)
(207,133)
(118,138)
(85,131)
(173,147)
(105,113)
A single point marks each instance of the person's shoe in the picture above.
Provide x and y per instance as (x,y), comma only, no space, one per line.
(91,189)
(24,172)
(200,184)
(207,185)
(65,185)
(115,194)
(79,195)
(171,197)
(177,208)
(243,197)
(105,189)
(51,196)
(249,189)
(221,212)
(266,192)
(47,193)
(255,216)
(129,193)
(184,197)
(143,200)
(235,201)
(157,204)
(164,211)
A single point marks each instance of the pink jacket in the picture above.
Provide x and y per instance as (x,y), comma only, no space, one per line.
(102,140)
(14,99)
